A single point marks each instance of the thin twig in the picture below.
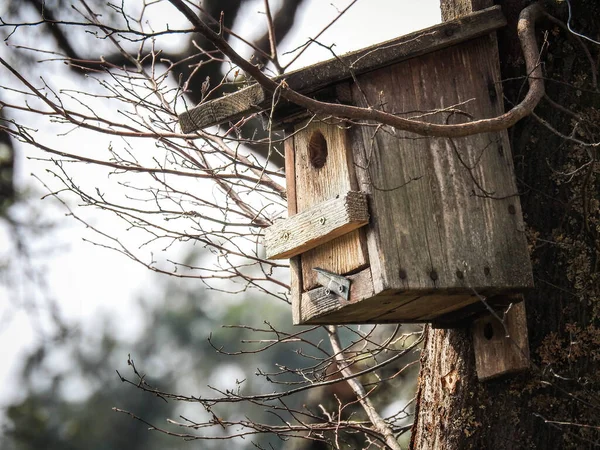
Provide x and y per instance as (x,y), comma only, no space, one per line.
(526,32)
(378,422)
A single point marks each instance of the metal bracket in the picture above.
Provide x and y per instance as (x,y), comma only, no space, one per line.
(333,283)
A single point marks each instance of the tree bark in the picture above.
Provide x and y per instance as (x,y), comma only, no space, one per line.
(556,404)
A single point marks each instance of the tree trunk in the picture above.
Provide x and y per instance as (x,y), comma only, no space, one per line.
(556,404)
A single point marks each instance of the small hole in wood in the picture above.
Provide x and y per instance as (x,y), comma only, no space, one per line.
(317,150)
(488,331)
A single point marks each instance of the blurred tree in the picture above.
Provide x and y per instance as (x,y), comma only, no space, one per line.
(55,416)
(7,163)
(70,405)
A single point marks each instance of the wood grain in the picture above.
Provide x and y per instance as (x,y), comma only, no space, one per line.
(218,111)
(346,253)
(445,214)
(317,306)
(497,353)
(295,265)
(316,226)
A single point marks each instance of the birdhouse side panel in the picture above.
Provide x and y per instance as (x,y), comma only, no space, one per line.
(445,213)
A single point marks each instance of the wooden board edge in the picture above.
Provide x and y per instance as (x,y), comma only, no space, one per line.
(290,171)
(497,354)
(290,179)
(229,107)
(296,288)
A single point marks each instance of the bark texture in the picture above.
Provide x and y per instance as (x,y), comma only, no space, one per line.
(556,404)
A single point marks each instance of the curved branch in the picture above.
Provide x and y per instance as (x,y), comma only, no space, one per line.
(525,30)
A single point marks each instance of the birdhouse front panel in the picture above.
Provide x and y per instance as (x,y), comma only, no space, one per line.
(324,170)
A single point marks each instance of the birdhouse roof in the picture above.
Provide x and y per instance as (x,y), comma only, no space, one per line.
(316,79)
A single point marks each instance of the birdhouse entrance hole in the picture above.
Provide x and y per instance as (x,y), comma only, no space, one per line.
(317,150)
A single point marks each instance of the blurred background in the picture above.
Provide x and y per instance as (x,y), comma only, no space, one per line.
(72,311)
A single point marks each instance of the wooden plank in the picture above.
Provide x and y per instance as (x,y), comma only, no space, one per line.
(423,307)
(296,288)
(446,303)
(290,179)
(501,349)
(215,112)
(290,172)
(377,309)
(317,305)
(464,316)
(310,79)
(316,226)
(445,215)
(314,185)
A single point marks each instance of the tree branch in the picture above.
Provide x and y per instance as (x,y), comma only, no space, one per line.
(380,425)
(525,30)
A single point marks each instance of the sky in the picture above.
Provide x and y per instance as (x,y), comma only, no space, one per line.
(90,283)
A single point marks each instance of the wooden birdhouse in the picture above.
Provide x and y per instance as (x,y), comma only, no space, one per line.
(388,226)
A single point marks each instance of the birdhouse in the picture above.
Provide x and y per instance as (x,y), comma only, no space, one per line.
(389,226)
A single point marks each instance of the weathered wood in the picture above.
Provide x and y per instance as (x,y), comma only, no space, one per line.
(295,267)
(311,79)
(445,218)
(316,226)
(445,223)
(465,316)
(215,112)
(296,288)
(500,350)
(424,308)
(314,185)
(444,213)
(392,307)
(316,306)
(290,172)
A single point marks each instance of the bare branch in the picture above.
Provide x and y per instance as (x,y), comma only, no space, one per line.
(526,31)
